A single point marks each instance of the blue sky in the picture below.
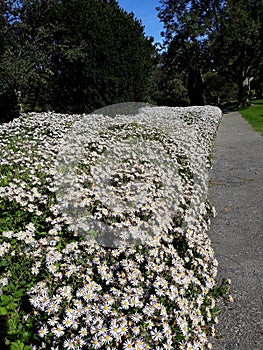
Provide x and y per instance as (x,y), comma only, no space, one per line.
(145,10)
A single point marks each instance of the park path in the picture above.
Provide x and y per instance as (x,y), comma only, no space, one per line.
(236,192)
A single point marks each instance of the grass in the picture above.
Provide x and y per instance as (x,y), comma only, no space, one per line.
(253,114)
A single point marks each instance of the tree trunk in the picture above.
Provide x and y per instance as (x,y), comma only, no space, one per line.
(195,88)
(243,94)
(19,100)
(259,93)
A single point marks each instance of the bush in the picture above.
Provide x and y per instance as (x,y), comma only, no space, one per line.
(63,288)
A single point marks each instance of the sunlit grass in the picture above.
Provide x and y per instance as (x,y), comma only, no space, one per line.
(254,114)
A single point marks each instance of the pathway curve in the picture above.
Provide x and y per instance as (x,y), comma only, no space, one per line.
(236,191)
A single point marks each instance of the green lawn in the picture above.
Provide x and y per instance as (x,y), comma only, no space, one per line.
(254,115)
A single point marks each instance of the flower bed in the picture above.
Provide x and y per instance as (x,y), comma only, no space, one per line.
(103,228)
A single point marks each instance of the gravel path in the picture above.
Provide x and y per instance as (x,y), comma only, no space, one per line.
(236,191)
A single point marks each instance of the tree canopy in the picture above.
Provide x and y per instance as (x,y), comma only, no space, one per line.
(73,55)
(223,37)
(77,56)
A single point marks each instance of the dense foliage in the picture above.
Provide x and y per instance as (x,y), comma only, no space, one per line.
(236,44)
(80,55)
(73,56)
(214,40)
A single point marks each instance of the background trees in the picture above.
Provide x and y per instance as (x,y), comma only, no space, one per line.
(102,57)
(81,55)
(236,44)
(220,37)
(72,55)
(187,27)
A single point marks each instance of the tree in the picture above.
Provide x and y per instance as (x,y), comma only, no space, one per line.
(99,56)
(74,55)
(168,86)
(187,25)
(256,84)
(7,97)
(25,56)
(236,43)
(103,56)
(220,36)
(217,89)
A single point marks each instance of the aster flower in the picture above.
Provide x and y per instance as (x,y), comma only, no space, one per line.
(152,277)
(128,345)
(43,332)
(58,330)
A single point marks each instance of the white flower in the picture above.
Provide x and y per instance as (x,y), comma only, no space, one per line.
(69,344)
(123,330)
(96,342)
(114,330)
(35,270)
(43,332)
(128,345)
(125,304)
(4,281)
(67,322)
(180,139)
(83,332)
(156,335)
(4,248)
(53,321)
(8,234)
(136,330)
(58,331)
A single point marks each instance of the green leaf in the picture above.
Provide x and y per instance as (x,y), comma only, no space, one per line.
(92,233)
(180,337)
(5,300)
(11,287)
(3,311)
(25,335)
(19,293)
(3,263)
(17,345)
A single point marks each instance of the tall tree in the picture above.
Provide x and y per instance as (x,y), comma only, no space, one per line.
(168,86)
(103,56)
(74,55)
(91,63)
(25,55)
(187,25)
(8,100)
(236,44)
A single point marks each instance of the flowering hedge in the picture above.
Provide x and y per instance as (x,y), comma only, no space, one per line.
(103,229)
